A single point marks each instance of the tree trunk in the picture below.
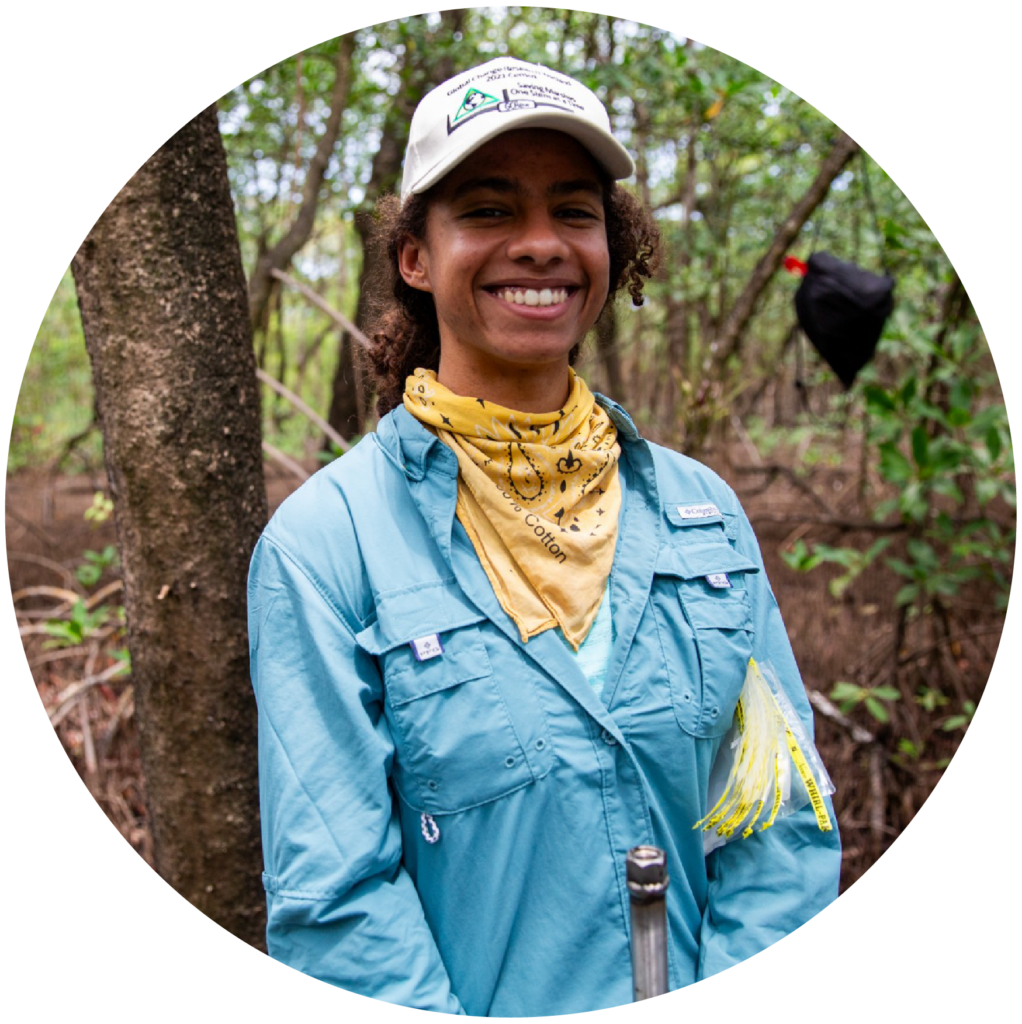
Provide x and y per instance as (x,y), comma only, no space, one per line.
(163,302)
(606,348)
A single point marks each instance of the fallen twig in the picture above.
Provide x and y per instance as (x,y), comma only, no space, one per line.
(73,693)
(122,712)
(42,591)
(67,652)
(49,563)
(830,710)
(34,529)
(878,800)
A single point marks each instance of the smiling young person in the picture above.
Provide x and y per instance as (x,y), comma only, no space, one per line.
(501,641)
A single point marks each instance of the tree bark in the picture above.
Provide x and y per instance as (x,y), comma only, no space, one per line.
(163,301)
(728,340)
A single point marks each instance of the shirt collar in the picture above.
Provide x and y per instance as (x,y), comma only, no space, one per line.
(412,448)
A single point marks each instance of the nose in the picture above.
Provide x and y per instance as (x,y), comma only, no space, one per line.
(537,238)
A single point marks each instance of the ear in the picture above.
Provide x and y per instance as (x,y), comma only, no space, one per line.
(413,264)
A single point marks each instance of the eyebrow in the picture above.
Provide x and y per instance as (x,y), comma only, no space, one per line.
(506,186)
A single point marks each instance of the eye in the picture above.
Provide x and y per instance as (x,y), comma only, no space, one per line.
(578,213)
(484,213)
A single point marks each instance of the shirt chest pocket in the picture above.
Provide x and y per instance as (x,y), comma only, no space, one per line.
(704,614)
(459,742)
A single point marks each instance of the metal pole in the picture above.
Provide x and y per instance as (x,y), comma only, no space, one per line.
(646,872)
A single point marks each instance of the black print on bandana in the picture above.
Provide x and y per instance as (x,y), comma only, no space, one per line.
(569,464)
(531,478)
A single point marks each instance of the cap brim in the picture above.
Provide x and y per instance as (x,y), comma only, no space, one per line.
(602,146)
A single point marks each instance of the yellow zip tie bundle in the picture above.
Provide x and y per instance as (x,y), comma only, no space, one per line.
(753,768)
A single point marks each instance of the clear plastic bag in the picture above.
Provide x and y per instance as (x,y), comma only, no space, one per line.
(767,766)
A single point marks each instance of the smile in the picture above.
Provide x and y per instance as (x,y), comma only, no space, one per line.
(533,296)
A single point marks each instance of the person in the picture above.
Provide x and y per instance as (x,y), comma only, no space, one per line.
(500,641)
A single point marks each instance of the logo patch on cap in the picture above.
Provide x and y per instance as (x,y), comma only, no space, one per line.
(474,101)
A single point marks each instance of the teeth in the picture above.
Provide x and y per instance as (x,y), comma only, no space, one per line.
(531,297)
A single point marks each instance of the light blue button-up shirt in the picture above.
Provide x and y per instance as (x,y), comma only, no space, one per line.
(449,833)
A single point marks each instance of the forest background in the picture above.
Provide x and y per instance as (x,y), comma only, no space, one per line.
(887,515)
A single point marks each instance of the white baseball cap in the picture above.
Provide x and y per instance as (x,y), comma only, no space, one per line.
(466,111)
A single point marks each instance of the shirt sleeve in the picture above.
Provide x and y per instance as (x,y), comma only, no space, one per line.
(341,906)
(764,887)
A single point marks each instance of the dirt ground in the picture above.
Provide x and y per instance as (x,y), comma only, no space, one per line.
(879,789)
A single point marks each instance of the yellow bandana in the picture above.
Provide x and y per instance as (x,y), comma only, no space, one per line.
(538,496)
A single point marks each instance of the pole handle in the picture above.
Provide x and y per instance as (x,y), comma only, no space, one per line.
(648,879)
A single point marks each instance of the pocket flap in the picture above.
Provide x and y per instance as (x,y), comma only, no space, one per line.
(405,615)
(689,557)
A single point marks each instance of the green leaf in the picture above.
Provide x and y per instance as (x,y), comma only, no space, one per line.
(893,465)
(801,558)
(900,567)
(913,503)
(909,749)
(846,691)
(908,392)
(946,486)
(886,693)
(877,399)
(955,722)
(986,489)
(929,699)
(920,446)
(922,554)
(877,710)
(993,440)
(961,402)
(89,574)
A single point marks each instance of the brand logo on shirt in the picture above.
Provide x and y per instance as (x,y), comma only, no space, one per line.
(719,580)
(698,511)
(426,647)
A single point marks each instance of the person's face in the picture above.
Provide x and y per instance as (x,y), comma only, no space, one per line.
(514,255)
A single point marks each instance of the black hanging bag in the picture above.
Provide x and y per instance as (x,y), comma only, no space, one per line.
(842,309)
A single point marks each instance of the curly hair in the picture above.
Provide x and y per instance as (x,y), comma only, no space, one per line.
(403,328)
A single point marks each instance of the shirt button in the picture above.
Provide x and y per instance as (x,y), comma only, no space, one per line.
(509,762)
(433,784)
(608,738)
(540,744)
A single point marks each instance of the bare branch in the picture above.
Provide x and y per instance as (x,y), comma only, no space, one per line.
(303,408)
(285,460)
(320,303)
(729,338)
(280,255)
